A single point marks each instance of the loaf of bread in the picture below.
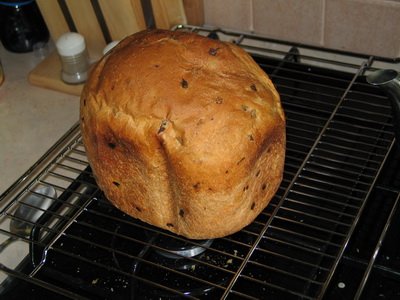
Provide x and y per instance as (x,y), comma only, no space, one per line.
(184,132)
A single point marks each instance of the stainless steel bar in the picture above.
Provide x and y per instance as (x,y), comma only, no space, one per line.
(319,207)
(313,170)
(327,183)
(334,194)
(278,287)
(378,131)
(316,216)
(300,247)
(297,113)
(56,237)
(292,259)
(370,138)
(268,269)
(303,236)
(330,87)
(42,284)
(330,149)
(324,99)
(301,225)
(354,224)
(377,249)
(354,143)
(366,112)
(351,164)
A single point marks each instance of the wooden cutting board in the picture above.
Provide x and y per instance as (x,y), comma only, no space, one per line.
(48,75)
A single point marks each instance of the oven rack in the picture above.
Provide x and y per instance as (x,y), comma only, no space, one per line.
(339,136)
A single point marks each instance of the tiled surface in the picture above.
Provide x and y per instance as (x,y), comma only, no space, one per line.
(230,14)
(293,20)
(371,27)
(363,26)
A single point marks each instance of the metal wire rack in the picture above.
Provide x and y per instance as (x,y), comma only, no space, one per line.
(339,137)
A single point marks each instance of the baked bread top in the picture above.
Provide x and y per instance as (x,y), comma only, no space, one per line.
(184,132)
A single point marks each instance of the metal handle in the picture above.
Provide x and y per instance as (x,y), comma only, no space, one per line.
(389,81)
(7,242)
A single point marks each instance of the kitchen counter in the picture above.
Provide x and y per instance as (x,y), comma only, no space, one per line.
(32,119)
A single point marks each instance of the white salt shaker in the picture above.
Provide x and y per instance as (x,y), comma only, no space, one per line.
(71,47)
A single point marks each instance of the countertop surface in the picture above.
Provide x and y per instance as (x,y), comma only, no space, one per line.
(32,119)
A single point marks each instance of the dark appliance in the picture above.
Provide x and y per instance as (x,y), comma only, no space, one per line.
(330,232)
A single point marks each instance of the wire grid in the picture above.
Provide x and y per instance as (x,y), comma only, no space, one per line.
(335,151)
(338,135)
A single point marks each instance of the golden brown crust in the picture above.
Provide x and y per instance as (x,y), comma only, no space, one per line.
(184,132)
